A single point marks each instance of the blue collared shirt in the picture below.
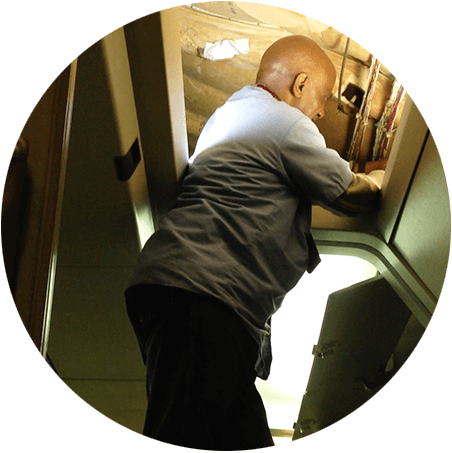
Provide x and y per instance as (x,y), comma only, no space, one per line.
(240,229)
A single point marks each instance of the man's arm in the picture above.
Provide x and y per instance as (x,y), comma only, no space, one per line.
(361,196)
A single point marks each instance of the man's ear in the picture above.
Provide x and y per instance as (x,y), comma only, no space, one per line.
(299,83)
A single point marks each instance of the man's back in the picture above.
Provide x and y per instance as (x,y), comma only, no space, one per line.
(239,230)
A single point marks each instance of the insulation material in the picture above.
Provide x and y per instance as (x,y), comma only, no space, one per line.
(364,112)
(222,50)
(385,127)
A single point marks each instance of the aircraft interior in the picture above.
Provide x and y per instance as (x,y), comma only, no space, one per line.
(101,159)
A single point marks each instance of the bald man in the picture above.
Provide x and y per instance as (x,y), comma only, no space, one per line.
(235,242)
(299,73)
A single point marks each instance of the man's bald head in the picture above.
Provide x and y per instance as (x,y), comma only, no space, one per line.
(295,64)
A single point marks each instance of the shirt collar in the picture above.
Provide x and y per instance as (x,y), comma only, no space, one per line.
(266,88)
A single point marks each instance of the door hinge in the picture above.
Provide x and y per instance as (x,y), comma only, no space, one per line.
(303,425)
(323,350)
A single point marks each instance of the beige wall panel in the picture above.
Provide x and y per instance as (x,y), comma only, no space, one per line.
(423,234)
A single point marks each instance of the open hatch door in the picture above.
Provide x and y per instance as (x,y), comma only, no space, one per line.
(355,355)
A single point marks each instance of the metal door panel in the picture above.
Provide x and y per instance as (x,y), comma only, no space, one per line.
(353,358)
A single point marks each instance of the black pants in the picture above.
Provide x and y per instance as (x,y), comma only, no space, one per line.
(200,373)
